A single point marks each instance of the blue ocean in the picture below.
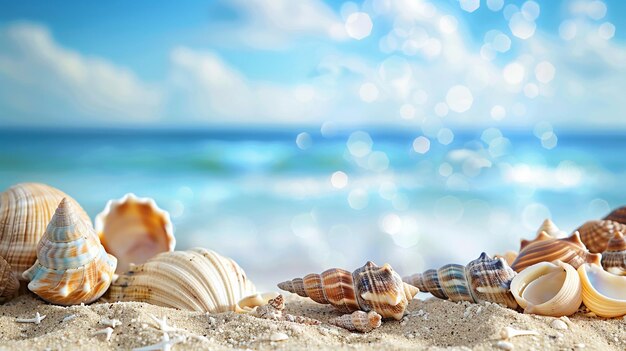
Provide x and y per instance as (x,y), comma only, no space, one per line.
(287,203)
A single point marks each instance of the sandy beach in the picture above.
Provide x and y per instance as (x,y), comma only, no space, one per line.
(430,324)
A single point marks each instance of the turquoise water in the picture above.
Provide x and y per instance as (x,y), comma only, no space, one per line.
(261,199)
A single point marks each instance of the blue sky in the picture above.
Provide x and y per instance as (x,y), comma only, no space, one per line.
(423,65)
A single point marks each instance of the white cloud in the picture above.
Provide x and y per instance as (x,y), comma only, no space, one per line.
(277,23)
(47,83)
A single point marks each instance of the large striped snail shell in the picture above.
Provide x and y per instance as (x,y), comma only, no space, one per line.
(369,288)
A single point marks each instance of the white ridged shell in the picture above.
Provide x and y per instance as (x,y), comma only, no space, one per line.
(196,279)
(603,293)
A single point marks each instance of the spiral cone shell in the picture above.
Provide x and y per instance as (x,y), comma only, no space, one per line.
(358,321)
(134,229)
(72,267)
(549,227)
(545,248)
(9,284)
(483,279)
(196,280)
(369,288)
(549,289)
(603,293)
(596,234)
(614,257)
(25,211)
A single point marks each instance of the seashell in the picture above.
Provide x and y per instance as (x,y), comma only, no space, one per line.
(549,227)
(546,248)
(196,280)
(614,257)
(25,211)
(134,229)
(617,215)
(358,321)
(508,256)
(9,284)
(603,293)
(483,279)
(548,289)
(596,234)
(248,303)
(369,288)
(72,267)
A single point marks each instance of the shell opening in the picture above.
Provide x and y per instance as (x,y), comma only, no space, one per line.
(544,288)
(609,285)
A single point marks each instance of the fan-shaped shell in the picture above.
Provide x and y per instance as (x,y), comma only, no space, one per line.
(614,258)
(596,234)
(196,280)
(25,211)
(368,288)
(9,284)
(483,279)
(617,215)
(603,293)
(72,267)
(549,289)
(134,229)
(545,248)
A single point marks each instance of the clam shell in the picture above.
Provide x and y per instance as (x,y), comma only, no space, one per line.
(196,280)
(134,229)
(9,284)
(614,257)
(25,210)
(368,288)
(617,215)
(596,234)
(72,267)
(483,279)
(549,289)
(545,248)
(603,293)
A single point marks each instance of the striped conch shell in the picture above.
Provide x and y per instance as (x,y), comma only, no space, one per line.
(134,229)
(596,234)
(617,215)
(614,257)
(195,280)
(25,211)
(483,279)
(603,293)
(72,267)
(9,284)
(359,321)
(369,288)
(549,289)
(545,248)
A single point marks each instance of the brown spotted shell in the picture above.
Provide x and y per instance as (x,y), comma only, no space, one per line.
(545,248)
(617,215)
(9,284)
(369,288)
(25,211)
(359,321)
(597,233)
(614,257)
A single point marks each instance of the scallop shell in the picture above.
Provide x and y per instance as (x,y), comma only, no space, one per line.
(134,230)
(9,284)
(603,293)
(546,248)
(596,234)
(483,279)
(369,288)
(25,210)
(72,267)
(614,258)
(617,215)
(196,280)
(549,289)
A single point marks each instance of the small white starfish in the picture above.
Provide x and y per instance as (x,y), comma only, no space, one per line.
(107,331)
(165,344)
(162,324)
(38,318)
(111,322)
